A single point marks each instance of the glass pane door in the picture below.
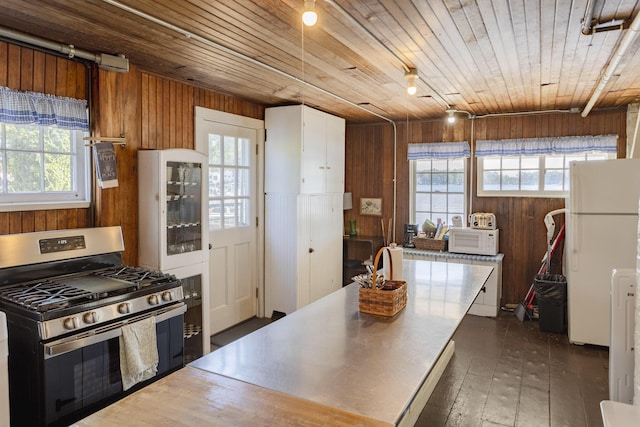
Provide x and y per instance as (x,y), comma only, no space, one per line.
(184,233)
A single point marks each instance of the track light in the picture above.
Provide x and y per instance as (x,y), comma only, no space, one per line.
(451,118)
(410,76)
(309,16)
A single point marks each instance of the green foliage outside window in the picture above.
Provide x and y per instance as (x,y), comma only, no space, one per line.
(36,159)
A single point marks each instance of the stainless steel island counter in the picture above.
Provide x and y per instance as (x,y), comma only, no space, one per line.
(379,368)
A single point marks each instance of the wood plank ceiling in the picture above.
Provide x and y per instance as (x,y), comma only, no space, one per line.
(479,56)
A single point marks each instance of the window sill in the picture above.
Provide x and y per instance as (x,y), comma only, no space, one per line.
(41,206)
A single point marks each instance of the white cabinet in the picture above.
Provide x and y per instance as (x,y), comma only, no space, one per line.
(304,183)
(173,232)
(487,303)
(304,151)
(303,249)
(172,207)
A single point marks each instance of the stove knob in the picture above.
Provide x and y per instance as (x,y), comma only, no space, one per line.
(90,317)
(153,300)
(70,323)
(124,308)
(166,296)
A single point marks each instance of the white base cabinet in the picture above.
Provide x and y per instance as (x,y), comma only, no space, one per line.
(303,250)
(487,303)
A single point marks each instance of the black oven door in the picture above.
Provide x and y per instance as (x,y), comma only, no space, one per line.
(81,377)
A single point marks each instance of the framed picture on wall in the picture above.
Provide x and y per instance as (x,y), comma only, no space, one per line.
(370,206)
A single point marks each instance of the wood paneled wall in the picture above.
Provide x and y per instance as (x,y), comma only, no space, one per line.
(369,173)
(152,113)
(30,70)
(149,111)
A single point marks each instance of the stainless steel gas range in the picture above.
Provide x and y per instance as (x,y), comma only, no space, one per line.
(67,296)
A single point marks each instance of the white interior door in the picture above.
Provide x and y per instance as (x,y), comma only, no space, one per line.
(232,144)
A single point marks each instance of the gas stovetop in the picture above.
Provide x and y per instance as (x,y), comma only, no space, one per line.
(68,291)
(76,281)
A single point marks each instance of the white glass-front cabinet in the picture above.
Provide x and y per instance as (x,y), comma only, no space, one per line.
(173,230)
(172,208)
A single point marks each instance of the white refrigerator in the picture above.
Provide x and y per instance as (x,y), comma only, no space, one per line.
(602,234)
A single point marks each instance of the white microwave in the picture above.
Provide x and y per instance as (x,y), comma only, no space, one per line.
(473,241)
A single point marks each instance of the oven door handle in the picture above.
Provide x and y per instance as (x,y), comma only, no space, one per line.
(68,344)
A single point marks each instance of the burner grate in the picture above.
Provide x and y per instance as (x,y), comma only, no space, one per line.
(83,290)
(142,277)
(44,295)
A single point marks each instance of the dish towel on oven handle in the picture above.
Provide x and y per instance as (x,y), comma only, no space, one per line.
(138,352)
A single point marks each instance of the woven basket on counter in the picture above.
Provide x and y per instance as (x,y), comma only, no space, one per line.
(429,244)
(384,302)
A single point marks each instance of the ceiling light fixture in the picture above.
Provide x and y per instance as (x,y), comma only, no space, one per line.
(309,16)
(451,118)
(410,76)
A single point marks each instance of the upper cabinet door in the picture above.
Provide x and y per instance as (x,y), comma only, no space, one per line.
(314,152)
(335,155)
(304,151)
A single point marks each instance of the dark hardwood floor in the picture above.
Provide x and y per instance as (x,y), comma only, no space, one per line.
(507,373)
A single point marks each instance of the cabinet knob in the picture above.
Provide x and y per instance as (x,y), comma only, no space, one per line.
(210,246)
(311,250)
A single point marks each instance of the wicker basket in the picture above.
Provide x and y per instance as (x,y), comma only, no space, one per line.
(384,302)
(429,244)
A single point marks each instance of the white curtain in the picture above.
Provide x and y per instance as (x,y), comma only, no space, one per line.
(439,150)
(26,108)
(557,145)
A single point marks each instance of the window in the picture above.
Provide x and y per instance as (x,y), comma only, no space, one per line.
(229,186)
(439,189)
(543,176)
(536,167)
(439,175)
(43,160)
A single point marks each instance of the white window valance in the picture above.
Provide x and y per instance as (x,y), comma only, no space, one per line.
(26,108)
(439,150)
(557,145)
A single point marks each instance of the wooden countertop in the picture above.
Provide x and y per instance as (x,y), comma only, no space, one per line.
(193,397)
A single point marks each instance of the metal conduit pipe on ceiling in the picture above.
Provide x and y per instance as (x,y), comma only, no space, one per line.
(105,61)
(225,49)
(587,19)
(627,40)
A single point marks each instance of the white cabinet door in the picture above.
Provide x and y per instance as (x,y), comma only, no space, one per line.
(314,152)
(326,241)
(335,154)
(488,301)
(320,248)
(283,148)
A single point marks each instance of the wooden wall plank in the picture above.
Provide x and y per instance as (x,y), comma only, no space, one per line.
(50,74)
(4,63)
(13,69)
(26,70)
(38,72)
(61,77)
